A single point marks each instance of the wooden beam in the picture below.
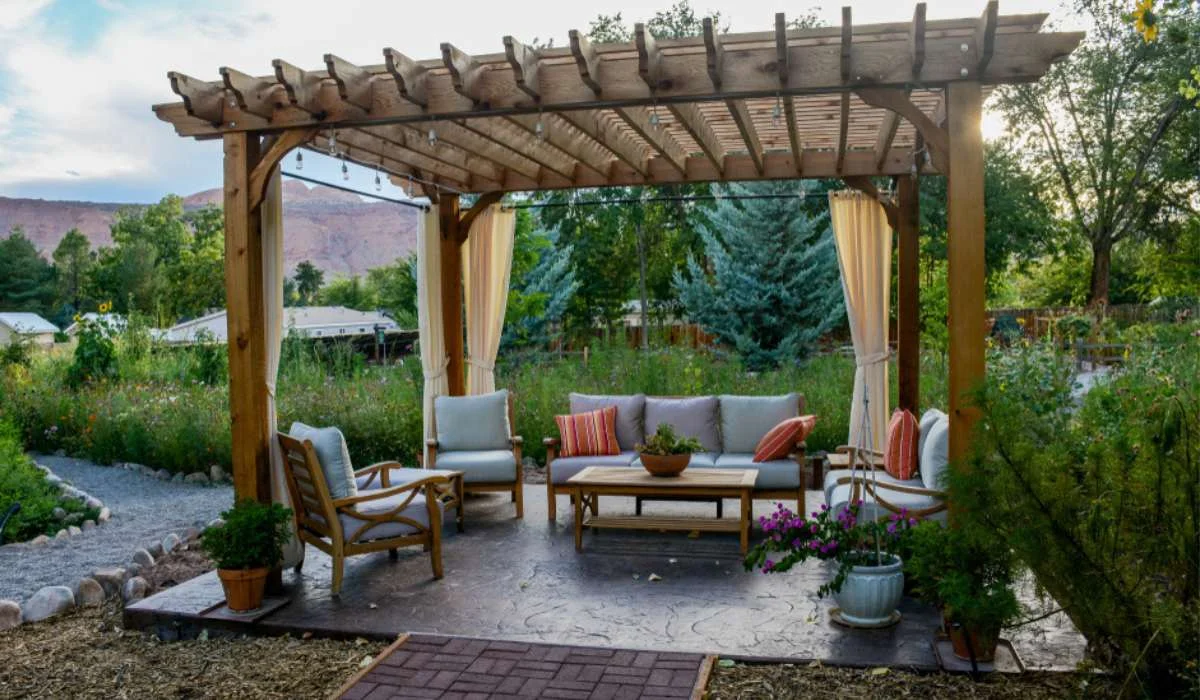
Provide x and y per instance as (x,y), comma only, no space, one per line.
(916,40)
(638,118)
(280,146)
(524,62)
(606,133)
(444,151)
(886,135)
(649,56)
(846,62)
(985,36)
(503,135)
(783,67)
(468,217)
(715,56)
(714,53)
(896,100)
(452,291)
(354,83)
(468,140)
(246,324)
(966,268)
(863,183)
(465,72)
(203,100)
(411,78)
(700,129)
(586,60)
(375,150)
(843,130)
(558,134)
(301,87)
(254,95)
(908,301)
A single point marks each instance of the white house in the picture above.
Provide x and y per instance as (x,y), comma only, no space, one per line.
(22,324)
(307,321)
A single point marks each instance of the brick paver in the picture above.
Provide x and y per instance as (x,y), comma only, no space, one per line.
(448,668)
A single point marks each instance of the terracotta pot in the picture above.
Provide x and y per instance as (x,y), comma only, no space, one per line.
(243,587)
(665,465)
(983,643)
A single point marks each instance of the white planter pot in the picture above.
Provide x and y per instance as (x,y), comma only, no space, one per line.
(871,593)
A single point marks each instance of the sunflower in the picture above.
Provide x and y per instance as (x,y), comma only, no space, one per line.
(1145,21)
(106,307)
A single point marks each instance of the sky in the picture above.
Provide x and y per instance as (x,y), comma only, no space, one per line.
(77,77)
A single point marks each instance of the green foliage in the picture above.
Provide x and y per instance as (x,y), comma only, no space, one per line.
(95,357)
(308,281)
(541,287)
(664,442)
(966,571)
(21,482)
(1100,498)
(252,536)
(73,262)
(395,289)
(19,351)
(26,280)
(349,292)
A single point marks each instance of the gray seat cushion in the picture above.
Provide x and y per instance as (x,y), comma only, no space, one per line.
(397,476)
(415,510)
(567,467)
(935,454)
(839,498)
(630,410)
(473,422)
(746,419)
(772,474)
(481,467)
(334,456)
(691,417)
(700,460)
(924,427)
(832,478)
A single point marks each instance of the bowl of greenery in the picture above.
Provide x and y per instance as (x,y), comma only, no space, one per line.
(245,547)
(666,454)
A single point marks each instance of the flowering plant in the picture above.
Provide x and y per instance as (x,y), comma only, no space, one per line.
(828,536)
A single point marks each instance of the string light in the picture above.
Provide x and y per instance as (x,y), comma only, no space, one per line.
(332,142)
(777,113)
(410,187)
(432,137)
(345,170)
(654,120)
(378,182)
(299,160)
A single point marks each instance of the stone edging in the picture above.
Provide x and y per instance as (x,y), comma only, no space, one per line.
(103,584)
(215,475)
(69,492)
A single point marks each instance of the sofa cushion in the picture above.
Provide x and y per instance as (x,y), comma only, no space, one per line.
(334,456)
(589,434)
(481,467)
(472,422)
(935,458)
(691,417)
(564,468)
(833,477)
(779,441)
(630,411)
(840,497)
(746,419)
(928,418)
(900,459)
(700,460)
(772,474)
(415,510)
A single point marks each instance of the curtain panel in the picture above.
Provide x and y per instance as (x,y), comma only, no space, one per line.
(429,316)
(485,285)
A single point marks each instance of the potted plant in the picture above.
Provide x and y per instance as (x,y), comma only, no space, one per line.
(968,574)
(869,580)
(245,546)
(665,454)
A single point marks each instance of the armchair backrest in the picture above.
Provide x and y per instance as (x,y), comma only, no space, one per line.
(311,503)
(472,423)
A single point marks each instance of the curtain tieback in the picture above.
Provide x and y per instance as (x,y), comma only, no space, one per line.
(868,360)
(489,366)
(438,371)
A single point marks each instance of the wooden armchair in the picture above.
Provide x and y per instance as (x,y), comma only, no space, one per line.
(481,467)
(933,501)
(375,520)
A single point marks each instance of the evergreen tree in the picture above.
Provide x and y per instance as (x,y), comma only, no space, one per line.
(308,282)
(538,296)
(772,283)
(26,280)
(72,260)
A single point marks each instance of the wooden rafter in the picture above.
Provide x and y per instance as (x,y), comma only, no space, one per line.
(465,72)
(985,35)
(846,67)
(354,83)
(916,41)
(715,56)
(300,86)
(560,135)
(503,134)
(255,95)
(783,61)
(606,134)
(640,120)
(411,78)
(200,99)
(524,63)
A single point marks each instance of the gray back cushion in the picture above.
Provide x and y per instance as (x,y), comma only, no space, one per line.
(472,422)
(935,455)
(928,419)
(746,419)
(334,456)
(630,411)
(691,417)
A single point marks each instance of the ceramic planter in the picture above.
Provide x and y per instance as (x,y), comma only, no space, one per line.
(870,594)
(983,642)
(665,465)
(243,588)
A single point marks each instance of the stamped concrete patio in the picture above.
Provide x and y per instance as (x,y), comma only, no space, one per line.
(523,581)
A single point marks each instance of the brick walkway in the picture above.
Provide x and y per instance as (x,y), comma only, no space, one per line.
(427,666)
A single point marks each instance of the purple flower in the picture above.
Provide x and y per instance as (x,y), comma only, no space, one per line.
(767,566)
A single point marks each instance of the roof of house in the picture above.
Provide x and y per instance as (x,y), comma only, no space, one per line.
(26,322)
(295,317)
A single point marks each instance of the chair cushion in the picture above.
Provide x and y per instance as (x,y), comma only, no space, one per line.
(481,467)
(334,456)
(397,476)
(472,422)
(928,418)
(832,478)
(691,417)
(564,468)
(900,458)
(630,414)
(700,460)
(589,434)
(840,496)
(935,458)
(415,510)
(780,440)
(772,474)
(746,419)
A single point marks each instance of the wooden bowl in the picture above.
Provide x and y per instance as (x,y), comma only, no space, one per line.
(665,465)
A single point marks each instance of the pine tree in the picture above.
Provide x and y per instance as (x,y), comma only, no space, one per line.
(772,284)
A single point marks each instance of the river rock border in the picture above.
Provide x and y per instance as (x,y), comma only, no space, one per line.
(110,582)
(215,475)
(68,492)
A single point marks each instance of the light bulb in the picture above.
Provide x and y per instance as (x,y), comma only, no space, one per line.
(777,112)
(345,171)
(378,183)
(432,137)
(654,117)
(299,160)
(332,142)
(410,187)
(539,130)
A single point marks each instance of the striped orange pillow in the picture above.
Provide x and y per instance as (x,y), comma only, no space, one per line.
(900,460)
(590,434)
(779,441)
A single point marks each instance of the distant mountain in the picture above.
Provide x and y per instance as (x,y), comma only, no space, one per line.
(339,232)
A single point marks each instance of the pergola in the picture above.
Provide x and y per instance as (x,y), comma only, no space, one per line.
(849,102)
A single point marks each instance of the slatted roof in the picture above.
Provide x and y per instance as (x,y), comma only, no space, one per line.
(785,103)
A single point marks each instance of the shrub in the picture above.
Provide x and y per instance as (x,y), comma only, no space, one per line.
(252,536)
(1100,497)
(19,351)
(22,482)
(95,354)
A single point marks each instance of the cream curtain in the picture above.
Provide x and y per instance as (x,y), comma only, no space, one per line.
(271,213)
(864,247)
(485,286)
(429,316)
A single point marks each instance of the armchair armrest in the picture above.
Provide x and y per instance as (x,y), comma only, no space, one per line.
(379,494)
(431,448)
(551,442)
(517,440)
(379,469)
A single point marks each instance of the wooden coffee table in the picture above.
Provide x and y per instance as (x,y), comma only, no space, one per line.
(591,483)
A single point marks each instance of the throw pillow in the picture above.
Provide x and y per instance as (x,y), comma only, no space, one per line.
(590,434)
(779,441)
(900,459)
(334,456)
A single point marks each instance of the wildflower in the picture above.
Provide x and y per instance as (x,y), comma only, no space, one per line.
(767,566)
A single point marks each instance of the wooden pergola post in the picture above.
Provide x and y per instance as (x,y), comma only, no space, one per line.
(452,291)
(965,258)
(908,317)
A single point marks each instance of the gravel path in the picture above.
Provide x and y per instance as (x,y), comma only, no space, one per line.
(143,511)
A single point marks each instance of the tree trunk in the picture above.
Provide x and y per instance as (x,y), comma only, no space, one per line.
(642,293)
(1101,271)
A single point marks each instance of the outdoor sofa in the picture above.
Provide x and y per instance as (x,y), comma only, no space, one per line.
(729,428)
(882,494)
